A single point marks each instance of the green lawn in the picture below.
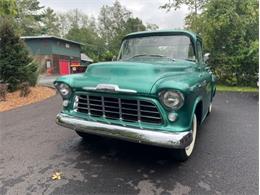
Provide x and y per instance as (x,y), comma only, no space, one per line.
(238,89)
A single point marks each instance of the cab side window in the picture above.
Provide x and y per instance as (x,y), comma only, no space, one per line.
(199,49)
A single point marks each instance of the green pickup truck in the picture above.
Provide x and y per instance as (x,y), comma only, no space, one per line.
(157,92)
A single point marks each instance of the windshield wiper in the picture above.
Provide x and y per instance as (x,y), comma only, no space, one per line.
(151,55)
(135,56)
(191,60)
(162,56)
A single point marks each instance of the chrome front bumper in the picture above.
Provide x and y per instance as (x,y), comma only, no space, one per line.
(144,136)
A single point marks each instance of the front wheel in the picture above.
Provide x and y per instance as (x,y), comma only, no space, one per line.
(184,154)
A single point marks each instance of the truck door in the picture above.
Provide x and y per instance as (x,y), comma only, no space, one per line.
(205,79)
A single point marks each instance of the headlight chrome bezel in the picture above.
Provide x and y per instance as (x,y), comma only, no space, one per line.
(64,89)
(171,93)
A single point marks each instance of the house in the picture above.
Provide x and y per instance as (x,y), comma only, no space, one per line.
(56,55)
(85,60)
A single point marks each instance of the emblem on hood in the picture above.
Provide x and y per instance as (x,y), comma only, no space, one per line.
(109,88)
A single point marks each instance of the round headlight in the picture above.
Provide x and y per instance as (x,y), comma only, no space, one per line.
(64,89)
(172,99)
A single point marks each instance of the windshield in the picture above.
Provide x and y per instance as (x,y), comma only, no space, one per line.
(166,47)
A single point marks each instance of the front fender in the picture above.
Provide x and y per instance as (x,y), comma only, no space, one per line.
(72,80)
(169,83)
(188,86)
(196,102)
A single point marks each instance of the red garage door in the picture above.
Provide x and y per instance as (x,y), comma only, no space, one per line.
(64,67)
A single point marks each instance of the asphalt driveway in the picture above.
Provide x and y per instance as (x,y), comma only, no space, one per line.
(225,160)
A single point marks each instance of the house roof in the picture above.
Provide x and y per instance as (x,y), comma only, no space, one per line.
(84,57)
(51,37)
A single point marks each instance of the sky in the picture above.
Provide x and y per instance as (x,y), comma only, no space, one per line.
(147,10)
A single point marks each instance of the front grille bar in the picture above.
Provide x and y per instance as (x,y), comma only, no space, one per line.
(103,107)
(120,108)
(138,111)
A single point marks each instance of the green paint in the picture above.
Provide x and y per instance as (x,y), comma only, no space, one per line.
(149,78)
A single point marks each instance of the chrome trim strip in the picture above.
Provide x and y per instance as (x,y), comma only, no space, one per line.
(110,88)
(145,136)
(120,108)
(103,106)
(88,105)
(138,111)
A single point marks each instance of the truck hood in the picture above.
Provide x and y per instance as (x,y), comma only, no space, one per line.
(140,77)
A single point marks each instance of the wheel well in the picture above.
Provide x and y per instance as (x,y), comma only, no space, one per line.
(199,111)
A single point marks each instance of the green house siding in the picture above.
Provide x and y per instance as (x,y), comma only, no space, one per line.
(39,46)
(59,47)
(52,46)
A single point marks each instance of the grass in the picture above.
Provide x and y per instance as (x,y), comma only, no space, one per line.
(236,89)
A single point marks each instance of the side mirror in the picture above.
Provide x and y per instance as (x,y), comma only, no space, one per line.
(206,57)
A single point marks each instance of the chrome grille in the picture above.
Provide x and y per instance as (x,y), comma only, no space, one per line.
(118,108)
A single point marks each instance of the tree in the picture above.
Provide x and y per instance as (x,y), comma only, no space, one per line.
(93,45)
(131,25)
(64,27)
(50,22)
(82,28)
(230,33)
(15,64)
(8,8)
(29,17)
(111,21)
(152,26)
(75,19)
(114,22)
(193,5)
(134,25)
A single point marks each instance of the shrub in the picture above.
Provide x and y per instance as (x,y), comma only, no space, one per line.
(16,66)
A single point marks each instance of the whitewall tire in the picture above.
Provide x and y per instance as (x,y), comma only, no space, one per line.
(210,108)
(184,154)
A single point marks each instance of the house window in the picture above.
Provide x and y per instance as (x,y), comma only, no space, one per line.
(67,45)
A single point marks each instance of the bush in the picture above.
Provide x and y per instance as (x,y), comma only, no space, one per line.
(33,73)
(16,66)
(237,70)
(229,30)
